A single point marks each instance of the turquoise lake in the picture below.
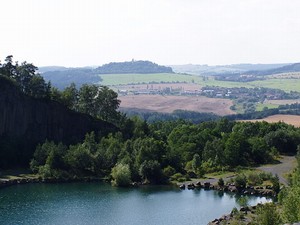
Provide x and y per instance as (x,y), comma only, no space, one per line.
(101,204)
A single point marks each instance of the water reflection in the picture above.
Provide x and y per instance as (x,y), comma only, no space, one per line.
(94,203)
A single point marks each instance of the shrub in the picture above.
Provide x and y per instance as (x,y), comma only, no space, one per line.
(240,181)
(255,179)
(121,175)
(179,177)
(267,215)
(221,182)
(169,171)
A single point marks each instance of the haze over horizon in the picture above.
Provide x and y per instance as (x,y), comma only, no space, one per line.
(167,32)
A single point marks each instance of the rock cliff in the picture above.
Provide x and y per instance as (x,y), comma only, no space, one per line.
(25,122)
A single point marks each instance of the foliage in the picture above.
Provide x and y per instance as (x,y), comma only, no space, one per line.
(267,214)
(162,150)
(121,175)
(150,170)
(221,182)
(276,183)
(25,76)
(254,178)
(240,181)
(143,67)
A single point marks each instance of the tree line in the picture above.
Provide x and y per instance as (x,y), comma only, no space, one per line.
(95,100)
(167,150)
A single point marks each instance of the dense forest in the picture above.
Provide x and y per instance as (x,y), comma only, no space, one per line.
(159,151)
(133,66)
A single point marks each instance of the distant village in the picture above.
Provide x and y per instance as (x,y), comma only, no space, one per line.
(213,92)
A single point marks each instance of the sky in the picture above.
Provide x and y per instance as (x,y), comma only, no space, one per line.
(77,33)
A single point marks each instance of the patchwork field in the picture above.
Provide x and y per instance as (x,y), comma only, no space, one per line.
(282,102)
(289,119)
(283,82)
(122,79)
(168,104)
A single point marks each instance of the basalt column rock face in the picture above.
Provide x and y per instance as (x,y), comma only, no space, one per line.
(25,122)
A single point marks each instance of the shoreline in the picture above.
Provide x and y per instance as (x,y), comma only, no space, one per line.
(10,182)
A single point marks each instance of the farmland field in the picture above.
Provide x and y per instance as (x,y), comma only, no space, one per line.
(129,83)
(289,84)
(282,102)
(283,84)
(266,104)
(168,104)
(289,119)
(121,79)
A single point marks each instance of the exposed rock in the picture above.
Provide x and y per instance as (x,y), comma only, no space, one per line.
(29,121)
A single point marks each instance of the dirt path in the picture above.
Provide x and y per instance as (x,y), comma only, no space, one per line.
(287,164)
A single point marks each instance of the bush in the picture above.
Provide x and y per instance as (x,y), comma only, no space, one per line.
(291,205)
(221,182)
(150,170)
(178,177)
(169,171)
(276,184)
(265,176)
(121,175)
(255,179)
(240,181)
(267,215)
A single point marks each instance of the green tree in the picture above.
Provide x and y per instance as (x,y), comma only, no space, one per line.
(267,214)
(291,205)
(196,163)
(240,181)
(79,159)
(38,88)
(69,96)
(235,149)
(8,69)
(121,175)
(107,104)
(87,99)
(276,183)
(100,102)
(151,171)
(24,74)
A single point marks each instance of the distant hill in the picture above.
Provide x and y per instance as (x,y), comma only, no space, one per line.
(45,69)
(140,66)
(79,76)
(284,69)
(224,69)
(62,77)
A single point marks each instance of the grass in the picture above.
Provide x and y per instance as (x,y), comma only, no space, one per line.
(283,84)
(288,84)
(261,106)
(122,79)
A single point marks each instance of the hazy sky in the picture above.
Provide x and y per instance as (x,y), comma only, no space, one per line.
(94,32)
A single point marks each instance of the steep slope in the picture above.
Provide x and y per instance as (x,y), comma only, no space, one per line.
(25,122)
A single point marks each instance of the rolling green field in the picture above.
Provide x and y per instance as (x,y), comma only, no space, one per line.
(261,106)
(123,79)
(283,84)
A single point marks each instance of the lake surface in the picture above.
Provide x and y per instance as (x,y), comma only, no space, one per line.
(101,204)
